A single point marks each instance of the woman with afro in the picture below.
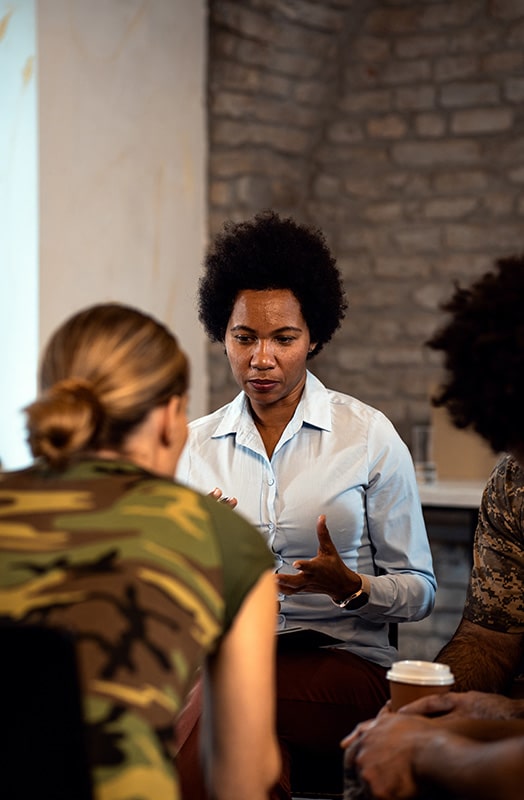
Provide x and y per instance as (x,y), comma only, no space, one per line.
(325,478)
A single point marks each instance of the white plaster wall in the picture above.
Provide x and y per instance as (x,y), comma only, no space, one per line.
(112,96)
(18,224)
(123,162)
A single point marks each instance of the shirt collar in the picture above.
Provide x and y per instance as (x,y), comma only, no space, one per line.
(316,404)
(313,409)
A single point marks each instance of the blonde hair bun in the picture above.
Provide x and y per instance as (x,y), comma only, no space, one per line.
(64,420)
(103,370)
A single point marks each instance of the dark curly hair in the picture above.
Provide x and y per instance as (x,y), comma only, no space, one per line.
(269,252)
(484,356)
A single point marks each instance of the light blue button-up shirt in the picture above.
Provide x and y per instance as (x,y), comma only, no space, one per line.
(338,457)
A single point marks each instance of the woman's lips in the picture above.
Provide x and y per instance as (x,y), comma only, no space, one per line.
(262,386)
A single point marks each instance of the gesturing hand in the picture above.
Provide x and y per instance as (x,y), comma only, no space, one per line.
(228,501)
(326,573)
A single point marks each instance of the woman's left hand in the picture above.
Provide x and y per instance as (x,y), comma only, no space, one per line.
(217,494)
(324,574)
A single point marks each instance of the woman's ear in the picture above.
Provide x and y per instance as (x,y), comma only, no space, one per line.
(169,420)
(170,432)
(165,434)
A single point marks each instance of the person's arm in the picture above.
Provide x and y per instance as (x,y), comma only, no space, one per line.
(470,769)
(398,755)
(483,654)
(239,741)
(472,704)
(481,658)
(403,586)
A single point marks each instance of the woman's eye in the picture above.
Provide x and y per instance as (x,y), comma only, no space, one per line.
(242,338)
(285,339)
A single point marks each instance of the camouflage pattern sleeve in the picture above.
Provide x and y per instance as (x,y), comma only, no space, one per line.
(244,553)
(495,597)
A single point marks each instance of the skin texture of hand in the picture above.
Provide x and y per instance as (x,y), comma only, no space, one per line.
(397,754)
(383,751)
(474,705)
(324,574)
(218,495)
(354,737)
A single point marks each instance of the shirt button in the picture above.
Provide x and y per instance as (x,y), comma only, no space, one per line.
(271,481)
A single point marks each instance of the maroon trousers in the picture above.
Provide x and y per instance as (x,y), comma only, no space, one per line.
(321,696)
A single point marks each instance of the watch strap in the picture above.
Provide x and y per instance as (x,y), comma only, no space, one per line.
(355,600)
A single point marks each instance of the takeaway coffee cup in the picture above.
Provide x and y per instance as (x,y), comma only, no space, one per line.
(409,680)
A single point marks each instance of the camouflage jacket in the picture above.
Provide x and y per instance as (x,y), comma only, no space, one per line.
(495,597)
(148,575)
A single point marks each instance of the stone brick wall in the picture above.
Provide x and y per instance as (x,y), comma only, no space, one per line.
(398,128)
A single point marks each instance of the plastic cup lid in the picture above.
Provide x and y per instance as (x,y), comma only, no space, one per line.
(422,673)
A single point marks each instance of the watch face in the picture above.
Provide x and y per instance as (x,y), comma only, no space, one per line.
(358,602)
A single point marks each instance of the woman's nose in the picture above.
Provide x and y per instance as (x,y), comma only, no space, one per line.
(262,357)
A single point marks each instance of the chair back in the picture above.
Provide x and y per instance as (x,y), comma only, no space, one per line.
(43,752)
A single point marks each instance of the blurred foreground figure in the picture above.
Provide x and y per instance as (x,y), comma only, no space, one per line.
(98,541)
(431,748)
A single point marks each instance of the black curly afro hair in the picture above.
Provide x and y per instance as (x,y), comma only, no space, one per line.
(270,252)
(483,345)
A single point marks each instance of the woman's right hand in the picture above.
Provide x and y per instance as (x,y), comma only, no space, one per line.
(218,495)
(326,573)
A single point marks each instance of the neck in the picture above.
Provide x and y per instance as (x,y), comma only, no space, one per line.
(135,457)
(272,417)
(271,421)
(152,445)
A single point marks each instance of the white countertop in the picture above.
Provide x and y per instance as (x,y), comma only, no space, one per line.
(452,494)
